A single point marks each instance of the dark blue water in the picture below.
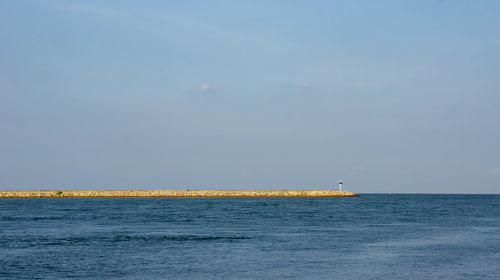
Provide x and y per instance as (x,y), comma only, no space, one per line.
(370,237)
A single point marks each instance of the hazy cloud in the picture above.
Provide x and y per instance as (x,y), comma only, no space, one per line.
(206,87)
(493,172)
(303,84)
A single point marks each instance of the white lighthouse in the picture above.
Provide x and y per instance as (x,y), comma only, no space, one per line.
(340,184)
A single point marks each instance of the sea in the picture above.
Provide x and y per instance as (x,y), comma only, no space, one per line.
(375,236)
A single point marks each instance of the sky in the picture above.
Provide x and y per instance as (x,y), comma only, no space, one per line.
(392,96)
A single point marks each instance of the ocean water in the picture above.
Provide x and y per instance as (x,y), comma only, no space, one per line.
(370,237)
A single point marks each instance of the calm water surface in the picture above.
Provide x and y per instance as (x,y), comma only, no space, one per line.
(370,237)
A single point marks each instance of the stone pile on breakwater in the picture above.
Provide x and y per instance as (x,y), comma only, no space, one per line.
(174,193)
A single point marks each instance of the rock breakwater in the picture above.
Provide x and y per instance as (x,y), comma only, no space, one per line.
(174,193)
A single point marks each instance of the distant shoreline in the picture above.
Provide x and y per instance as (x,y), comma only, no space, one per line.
(174,193)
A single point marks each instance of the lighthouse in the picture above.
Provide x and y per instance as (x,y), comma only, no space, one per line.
(340,184)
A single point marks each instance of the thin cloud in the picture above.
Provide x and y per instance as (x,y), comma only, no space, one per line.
(148,24)
(493,172)
(303,84)
(206,87)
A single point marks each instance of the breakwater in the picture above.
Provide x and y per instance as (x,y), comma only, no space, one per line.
(174,193)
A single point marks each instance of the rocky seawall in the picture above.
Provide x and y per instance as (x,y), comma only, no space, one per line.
(174,193)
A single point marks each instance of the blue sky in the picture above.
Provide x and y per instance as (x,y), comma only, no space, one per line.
(394,96)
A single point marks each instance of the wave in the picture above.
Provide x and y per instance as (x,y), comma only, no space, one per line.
(121,238)
(34,241)
(35,218)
